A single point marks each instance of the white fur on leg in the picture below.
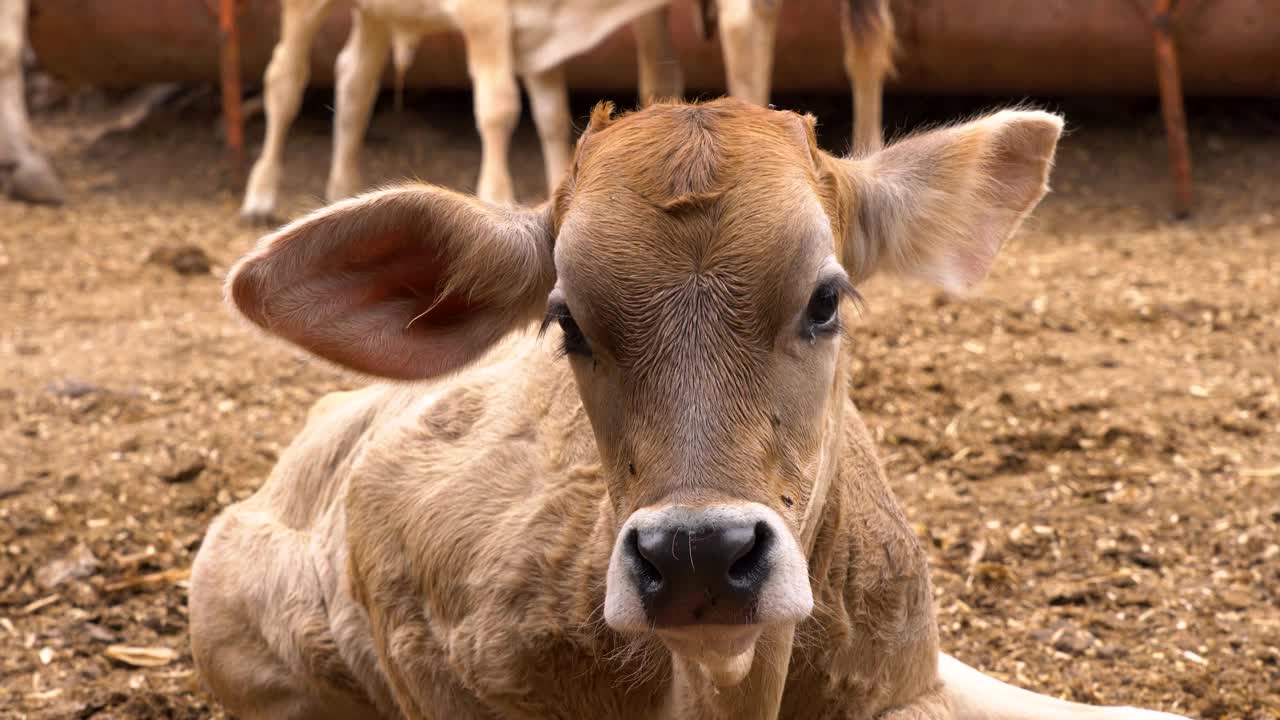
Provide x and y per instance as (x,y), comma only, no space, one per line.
(549,98)
(285,79)
(976,696)
(747,30)
(868,59)
(497,108)
(359,70)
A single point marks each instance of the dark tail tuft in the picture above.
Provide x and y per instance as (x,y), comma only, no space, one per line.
(869,19)
(704,18)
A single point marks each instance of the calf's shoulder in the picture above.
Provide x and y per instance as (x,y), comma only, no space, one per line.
(478,538)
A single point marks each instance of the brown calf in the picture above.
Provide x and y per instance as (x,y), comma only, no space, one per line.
(666,505)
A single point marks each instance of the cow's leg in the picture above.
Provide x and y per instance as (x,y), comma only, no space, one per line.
(973,695)
(14,129)
(549,100)
(284,81)
(358,71)
(497,100)
(260,635)
(32,179)
(867,27)
(658,66)
(747,30)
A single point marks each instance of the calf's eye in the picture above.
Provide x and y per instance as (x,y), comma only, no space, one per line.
(821,313)
(575,342)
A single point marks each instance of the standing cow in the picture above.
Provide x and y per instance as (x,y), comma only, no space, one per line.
(504,39)
(30,177)
(640,515)
(532,39)
(747,29)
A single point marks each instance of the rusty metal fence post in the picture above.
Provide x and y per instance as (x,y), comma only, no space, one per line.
(232,115)
(1161,19)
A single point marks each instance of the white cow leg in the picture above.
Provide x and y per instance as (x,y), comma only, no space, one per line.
(359,70)
(549,100)
(747,31)
(32,179)
(284,81)
(868,94)
(868,58)
(660,76)
(497,108)
(973,695)
(13,127)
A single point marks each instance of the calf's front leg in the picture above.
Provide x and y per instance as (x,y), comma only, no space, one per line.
(261,635)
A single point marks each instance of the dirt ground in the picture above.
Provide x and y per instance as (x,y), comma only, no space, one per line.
(1088,446)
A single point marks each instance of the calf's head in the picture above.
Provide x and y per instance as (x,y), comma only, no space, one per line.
(697,269)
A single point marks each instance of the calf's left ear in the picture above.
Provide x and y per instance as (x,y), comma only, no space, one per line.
(938,206)
(407,283)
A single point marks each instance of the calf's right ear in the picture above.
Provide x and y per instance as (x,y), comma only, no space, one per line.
(406,283)
(939,205)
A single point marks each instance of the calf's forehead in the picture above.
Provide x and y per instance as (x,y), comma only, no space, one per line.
(723,195)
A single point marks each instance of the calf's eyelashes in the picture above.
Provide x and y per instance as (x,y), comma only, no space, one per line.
(574,341)
(821,316)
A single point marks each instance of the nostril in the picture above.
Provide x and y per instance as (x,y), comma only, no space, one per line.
(743,552)
(647,576)
(698,573)
(748,566)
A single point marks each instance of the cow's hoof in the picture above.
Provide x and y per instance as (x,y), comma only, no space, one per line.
(259,218)
(34,181)
(258,210)
(341,189)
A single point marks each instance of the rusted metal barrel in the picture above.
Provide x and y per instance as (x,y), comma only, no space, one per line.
(1226,47)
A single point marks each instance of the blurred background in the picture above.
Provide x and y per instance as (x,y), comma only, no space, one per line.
(1089,447)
